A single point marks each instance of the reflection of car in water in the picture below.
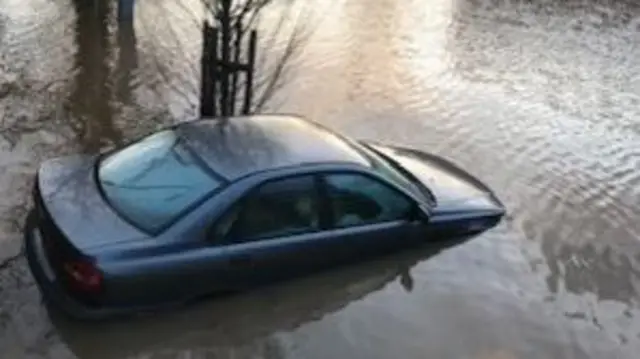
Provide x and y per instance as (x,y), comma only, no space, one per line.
(221,205)
(240,320)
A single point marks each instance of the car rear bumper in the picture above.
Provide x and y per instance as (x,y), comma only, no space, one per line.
(55,294)
(51,289)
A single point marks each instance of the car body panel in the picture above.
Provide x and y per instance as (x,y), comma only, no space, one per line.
(280,258)
(173,276)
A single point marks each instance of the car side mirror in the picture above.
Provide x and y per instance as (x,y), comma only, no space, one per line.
(421,213)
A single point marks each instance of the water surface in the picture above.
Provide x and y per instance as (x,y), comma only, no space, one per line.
(537,98)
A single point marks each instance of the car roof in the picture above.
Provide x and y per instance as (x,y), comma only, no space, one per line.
(238,146)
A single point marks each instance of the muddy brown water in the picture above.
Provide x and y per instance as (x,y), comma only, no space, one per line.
(538,98)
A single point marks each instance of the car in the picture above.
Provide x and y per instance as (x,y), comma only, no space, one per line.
(220,205)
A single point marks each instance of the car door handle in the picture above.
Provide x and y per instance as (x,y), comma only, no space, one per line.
(240,260)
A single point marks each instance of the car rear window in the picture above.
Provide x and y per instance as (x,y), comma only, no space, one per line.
(153,181)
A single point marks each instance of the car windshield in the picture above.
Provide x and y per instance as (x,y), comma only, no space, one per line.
(151,182)
(395,173)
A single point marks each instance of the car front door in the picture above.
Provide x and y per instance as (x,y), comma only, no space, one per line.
(275,231)
(368,216)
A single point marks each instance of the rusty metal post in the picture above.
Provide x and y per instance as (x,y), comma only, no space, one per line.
(214,71)
(225,20)
(236,60)
(248,90)
(207,84)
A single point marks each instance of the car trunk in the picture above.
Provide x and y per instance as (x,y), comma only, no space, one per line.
(74,222)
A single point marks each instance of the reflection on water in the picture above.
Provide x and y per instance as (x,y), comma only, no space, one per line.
(91,113)
(127,62)
(538,98)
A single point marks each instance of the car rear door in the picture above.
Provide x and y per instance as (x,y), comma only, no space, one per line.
(276,230)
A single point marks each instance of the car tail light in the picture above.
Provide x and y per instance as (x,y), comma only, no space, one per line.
(83,276)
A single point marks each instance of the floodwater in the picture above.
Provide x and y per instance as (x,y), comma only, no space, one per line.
(538,98)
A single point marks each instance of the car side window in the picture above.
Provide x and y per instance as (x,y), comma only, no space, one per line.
(276,208)
(358,200)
